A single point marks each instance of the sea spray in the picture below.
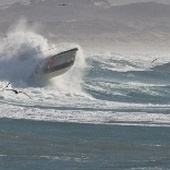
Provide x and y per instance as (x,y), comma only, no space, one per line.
(19,54)
(22,50)
(70,82)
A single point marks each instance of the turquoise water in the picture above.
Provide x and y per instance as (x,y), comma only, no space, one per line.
(27,144)
(109,111)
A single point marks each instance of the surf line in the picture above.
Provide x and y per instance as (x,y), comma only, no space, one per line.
(15,91)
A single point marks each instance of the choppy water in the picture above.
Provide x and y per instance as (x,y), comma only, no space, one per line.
(110,111)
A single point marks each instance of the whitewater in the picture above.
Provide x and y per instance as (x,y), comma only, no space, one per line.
(101,88)
(94,116)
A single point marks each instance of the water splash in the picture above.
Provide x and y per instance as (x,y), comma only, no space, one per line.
(19,54)
(71,81)
(23,49)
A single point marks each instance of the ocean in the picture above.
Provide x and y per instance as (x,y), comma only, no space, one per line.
(111,110)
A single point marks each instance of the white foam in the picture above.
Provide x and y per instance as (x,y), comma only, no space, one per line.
(23,49)
(71,82)
(124,62)
(65,100)
(98,113)
(20,52)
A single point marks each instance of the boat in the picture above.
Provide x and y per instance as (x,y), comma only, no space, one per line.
(55,65)
(59,63)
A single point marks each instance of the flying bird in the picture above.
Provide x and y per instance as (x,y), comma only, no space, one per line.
(14,90)
(5,87)
(18,92)
(154,60)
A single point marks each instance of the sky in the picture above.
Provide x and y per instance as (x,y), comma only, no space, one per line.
(4,2)
(113,2)
(121,2)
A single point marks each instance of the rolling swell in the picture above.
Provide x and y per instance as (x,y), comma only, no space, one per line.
(107,80)
(99,88)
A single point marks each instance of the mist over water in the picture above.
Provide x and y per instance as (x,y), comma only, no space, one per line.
(71,82)
(98,88)
(22,50)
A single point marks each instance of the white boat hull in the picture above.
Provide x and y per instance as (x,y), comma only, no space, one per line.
(55,65)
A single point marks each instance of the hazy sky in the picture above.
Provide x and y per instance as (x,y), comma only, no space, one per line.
(4,2)
(120,2)
(114,2)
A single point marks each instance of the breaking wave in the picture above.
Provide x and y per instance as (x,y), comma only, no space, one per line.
(22,50)
(19,54)
(107,88)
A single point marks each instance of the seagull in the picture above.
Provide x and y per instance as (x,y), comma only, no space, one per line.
(18,92)
(154,60)
(5,87)
(14,90)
